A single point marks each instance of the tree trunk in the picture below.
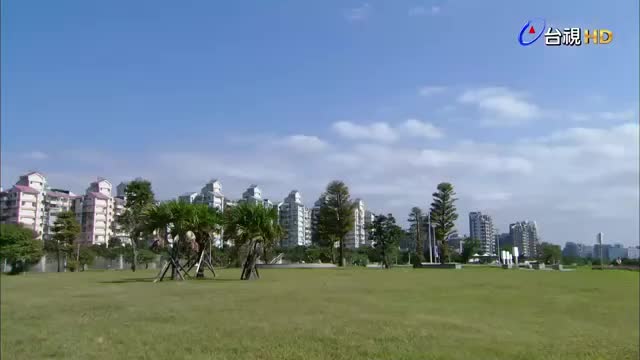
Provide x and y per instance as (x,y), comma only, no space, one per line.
(59,259)
(343,261)
(443,252)
(135,255)
(174,254)
(249,269)
(419,259)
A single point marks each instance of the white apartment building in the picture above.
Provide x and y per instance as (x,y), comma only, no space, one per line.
(95,213)
(34,205)
(481,228)
(357,237)
(56,201)
(253,195)
(211,195)
(369,217)
(524,235)
(24,202)
(117,229)
(295,220)
(307,225)
(633,252)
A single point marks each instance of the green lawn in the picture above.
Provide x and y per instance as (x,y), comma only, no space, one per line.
(474,313)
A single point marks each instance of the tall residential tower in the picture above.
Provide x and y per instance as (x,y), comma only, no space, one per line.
(481,228)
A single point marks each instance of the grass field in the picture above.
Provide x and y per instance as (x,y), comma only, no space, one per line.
(474,313)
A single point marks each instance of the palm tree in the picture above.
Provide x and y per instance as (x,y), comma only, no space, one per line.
(156,221)
(182,215)
(204,223)
(251,225)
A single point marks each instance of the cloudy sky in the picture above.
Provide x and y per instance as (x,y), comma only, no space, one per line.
(391,97)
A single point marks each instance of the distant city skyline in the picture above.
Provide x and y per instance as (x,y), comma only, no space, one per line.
(388,99)
(479,225)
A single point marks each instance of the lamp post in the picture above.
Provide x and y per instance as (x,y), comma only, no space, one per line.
(600,238)
(429,233)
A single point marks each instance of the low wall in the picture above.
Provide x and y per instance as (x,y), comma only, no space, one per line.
(49,263)
(619,267)
(440,266)
(296,266)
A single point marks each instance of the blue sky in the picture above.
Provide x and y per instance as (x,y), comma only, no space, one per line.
(392,97)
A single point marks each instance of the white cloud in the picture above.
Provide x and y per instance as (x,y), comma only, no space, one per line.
(594,116)
(447,109)
(36,155)
(492,196)
(417,11)
(305,143)
(378,131)
(625,115)
(383,132)
(431,90)
(418,128)
(359,13)
(501,105)
(421,10)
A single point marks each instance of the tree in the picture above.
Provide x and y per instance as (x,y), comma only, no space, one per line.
(505,248)
(336,215)
(316,253)
(139,196)
(19,246)
(114,242)
(251,226)
(385,234)
(443,217)
(550,253)
(181,222)
(66,230)
(416,220)
(86,255)
(145,257)
(156,221)
(469,247)
(205,222)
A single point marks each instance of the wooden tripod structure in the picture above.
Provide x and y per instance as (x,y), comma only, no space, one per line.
(200,262)
(204,262)
(174,264)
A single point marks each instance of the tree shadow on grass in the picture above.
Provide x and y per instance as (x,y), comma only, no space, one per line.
(129,280)
(150,280)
